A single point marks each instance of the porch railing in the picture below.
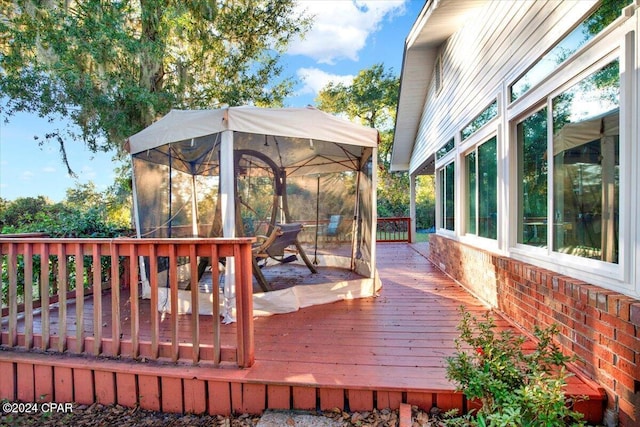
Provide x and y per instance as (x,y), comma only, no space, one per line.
(397,229)
(47,282)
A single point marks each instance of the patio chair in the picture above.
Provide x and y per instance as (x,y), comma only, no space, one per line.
(332,227)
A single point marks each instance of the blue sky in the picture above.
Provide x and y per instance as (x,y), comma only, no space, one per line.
(347,36)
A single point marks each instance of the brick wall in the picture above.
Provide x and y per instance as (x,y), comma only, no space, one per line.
(601,327)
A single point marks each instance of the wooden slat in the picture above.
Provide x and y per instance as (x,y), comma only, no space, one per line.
(115,299)
(12,269)
(97,299)
(62,297)
(79,255)
(215,280)
(133,300)
(173,288)
(28,295)
(44,295)
(153,312)
(195,304)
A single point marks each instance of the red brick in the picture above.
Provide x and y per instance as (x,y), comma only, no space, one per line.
(617,348)
(405,415)
(602,328)
(634,314)
(628,341)
(629,415)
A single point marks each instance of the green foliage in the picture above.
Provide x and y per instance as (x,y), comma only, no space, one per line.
(85,213)
(372,99)
(111,68)
(515,387)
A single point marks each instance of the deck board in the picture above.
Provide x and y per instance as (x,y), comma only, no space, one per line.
(395,342)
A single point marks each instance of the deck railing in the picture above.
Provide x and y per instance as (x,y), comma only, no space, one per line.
(45,288)
(396,229)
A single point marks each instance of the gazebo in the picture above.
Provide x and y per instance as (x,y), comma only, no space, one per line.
(248,171)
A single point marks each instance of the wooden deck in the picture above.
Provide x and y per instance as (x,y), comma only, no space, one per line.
(356,354)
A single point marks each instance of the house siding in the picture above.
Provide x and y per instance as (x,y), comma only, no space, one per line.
(599,326)
(498,45)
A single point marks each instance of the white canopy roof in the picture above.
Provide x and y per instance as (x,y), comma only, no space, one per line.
(575,134)
(305,123)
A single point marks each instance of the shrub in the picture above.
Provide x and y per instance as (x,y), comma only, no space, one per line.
(516,387)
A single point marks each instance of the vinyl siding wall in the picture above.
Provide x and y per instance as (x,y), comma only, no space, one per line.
(483,57)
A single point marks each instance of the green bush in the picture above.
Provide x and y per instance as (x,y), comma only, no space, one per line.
(515,387)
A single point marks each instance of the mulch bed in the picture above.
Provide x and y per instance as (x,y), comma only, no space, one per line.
(97,415)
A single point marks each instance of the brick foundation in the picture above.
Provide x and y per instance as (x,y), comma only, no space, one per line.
(601,327)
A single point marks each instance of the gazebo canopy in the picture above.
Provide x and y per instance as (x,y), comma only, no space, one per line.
(293,137)
(202,172)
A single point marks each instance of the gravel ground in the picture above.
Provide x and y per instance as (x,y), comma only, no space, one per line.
(97,415)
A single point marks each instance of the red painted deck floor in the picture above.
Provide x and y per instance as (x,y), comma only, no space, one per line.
(392,346)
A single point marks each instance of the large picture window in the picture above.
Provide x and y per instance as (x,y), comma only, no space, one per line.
(482,186)
(586,167)
(532,179)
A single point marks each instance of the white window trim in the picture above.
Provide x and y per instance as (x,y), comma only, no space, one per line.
(615,43)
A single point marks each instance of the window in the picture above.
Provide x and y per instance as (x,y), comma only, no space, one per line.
(446,148)
(608,11)
(480,120)
(532,179)
(586,167)
(447,200)
(482,187)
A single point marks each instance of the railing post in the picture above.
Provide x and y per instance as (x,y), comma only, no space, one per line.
(244,305)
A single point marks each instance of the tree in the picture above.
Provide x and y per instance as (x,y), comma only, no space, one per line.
(372,98)
(112,67)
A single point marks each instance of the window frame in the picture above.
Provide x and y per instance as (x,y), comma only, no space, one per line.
(610,44)
(441,171)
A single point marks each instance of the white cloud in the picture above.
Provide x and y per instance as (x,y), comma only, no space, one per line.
(341,28)
(49,169)
(27,175)
(315,79)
